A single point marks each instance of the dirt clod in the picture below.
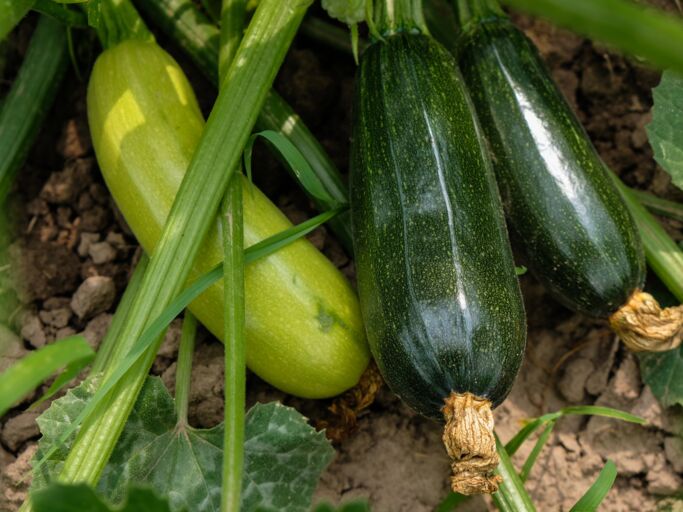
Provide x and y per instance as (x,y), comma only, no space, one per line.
(95,295)
(19,429)
(32,329)
(101,252)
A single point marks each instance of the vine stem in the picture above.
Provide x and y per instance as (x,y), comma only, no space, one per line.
(183,374)
(232,24)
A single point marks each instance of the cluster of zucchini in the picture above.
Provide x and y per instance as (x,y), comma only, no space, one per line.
(436,278)
(433,152)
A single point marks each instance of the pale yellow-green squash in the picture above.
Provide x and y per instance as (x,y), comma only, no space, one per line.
(303,324)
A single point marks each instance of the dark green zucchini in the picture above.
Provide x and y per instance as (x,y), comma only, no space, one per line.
(30,98)
(563,207)
(439,296)
(571,224)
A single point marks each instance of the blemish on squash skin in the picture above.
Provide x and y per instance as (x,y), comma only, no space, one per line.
(327,319)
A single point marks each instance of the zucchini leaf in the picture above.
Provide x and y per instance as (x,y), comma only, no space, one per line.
(346,11)
(663,371)
(665,132)
(79,498)
(284,456)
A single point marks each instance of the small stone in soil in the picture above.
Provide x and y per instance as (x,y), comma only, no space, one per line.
(96,329)
(101,252)
(95,295)
(87,239)
(56,317)
(63,187)
(32,329)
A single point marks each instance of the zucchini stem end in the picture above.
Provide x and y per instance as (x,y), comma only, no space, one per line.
(644,326)
(470,442)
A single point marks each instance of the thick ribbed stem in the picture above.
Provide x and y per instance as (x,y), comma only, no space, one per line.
(392,16)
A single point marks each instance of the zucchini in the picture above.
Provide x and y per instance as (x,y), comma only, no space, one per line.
(33,91)
(563,208)
(440,300)
(303,325)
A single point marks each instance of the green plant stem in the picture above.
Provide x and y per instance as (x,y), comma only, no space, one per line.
(30,97)
(659,206)
(329,34)
(118,21)
(232,23)
(235,353)
(233,13)
(199,38)
(259,56)
(183,375)
(472,11)
(392,16)
(663,255)
(623,24)
(107,349)
(62,13)
(511,495)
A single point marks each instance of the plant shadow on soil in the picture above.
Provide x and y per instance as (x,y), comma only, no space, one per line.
(70,233)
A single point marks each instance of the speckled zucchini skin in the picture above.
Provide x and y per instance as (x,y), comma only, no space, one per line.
(575,231)
(439,296)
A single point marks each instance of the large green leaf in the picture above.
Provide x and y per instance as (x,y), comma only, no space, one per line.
(662,371)
(284,456)
(81,498)
(665,132)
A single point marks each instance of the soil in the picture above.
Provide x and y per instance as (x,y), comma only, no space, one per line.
(75,253)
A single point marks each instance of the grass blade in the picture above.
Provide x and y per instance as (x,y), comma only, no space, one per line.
(511,495)
(590,501)
(32,370)
(536,451)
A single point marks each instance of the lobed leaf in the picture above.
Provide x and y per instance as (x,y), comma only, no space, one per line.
(284,456)
(664,132)
(80,498)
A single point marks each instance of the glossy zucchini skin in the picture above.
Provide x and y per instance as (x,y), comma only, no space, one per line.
(566,214)
(303,323)
(439,296)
